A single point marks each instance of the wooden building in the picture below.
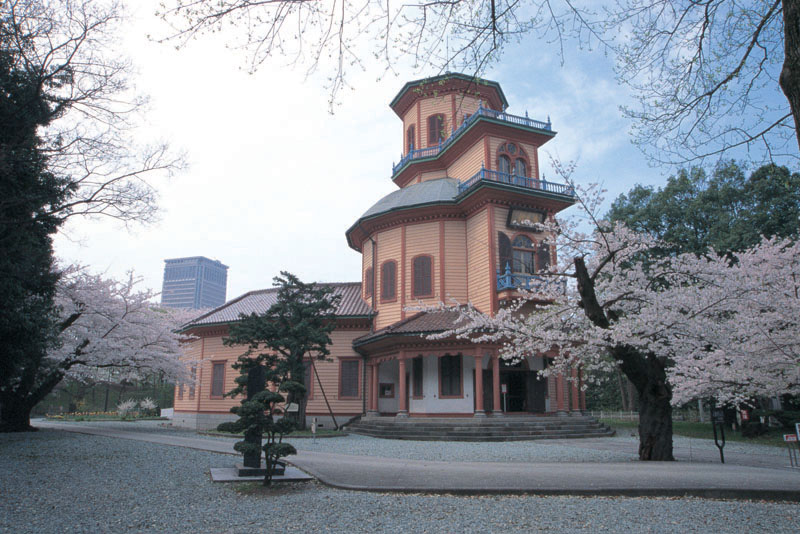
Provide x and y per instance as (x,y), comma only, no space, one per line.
(460,228)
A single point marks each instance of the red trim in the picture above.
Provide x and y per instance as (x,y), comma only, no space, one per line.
(453,105)
(380,389)
(394,298)
(200,379)
(460,378)
(403,272)
(414,277)
(358,361)
(224,370)
(492,260)
(441,262)
(419,123)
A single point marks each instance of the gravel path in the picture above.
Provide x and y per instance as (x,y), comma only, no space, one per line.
(58,482)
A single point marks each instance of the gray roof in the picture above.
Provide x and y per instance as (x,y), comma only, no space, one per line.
(429,192)
(351,304)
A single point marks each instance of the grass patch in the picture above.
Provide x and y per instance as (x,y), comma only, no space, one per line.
(704,431)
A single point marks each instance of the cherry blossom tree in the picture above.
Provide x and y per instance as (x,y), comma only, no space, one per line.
(102,324)
(678,327)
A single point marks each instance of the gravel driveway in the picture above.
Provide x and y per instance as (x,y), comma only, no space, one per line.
(53,481)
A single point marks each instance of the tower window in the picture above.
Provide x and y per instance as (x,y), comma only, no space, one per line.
(369,282)
(410,138)
(435,129)
(389,280)
(511,159)
(522,255)
(423,284)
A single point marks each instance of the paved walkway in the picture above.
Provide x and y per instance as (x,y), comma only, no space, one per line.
(389,474)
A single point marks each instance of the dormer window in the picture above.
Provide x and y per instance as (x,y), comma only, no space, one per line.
(436,133)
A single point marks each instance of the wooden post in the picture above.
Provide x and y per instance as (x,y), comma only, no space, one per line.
(479,412)
(373,389)
(496,409)
(402,410)
(576,405)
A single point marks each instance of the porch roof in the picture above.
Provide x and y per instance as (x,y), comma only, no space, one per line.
(419,324)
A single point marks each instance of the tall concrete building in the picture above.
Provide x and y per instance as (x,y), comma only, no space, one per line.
(195,282)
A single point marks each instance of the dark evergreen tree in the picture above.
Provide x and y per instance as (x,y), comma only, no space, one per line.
(28,196)
(726,211)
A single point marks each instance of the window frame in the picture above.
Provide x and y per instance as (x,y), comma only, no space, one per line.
(215,363)
(531,251)
(450,395)
(393,297)
(342,362)
(411,138)
(430,292)
(512,157)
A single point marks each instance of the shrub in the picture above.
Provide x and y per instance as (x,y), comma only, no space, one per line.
(125,409)
(234,427)
(148,407)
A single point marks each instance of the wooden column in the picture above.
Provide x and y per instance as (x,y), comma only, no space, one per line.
(373,389)
(560,395)
(496,409)
(402,402)
(576,403)
(479,412)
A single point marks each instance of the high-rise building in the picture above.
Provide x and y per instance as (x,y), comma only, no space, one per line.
(195,282)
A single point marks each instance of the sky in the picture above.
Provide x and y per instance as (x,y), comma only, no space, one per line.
(274,179)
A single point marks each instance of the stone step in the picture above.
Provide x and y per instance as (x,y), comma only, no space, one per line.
(490,429)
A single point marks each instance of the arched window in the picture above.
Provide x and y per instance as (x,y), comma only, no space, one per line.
(436,132)
(520,167)
(410,138)
(522,255)
(389,280)
(504,164)
(369,282)
(422,269)
(511,159)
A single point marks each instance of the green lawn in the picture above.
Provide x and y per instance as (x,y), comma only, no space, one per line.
(704,431)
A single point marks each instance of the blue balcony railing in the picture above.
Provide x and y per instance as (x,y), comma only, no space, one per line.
(519,181)
(529,282)
(468,121)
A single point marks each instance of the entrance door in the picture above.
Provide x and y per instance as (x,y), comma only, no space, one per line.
(537,392)
(516,391)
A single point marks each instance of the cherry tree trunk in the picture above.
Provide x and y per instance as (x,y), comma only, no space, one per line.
(649,377)
(790,73)
(15,416)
